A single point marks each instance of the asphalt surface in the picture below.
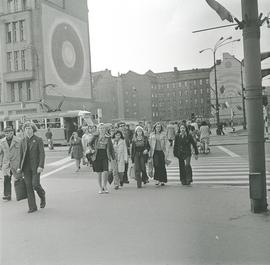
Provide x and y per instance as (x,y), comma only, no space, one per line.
(201,224)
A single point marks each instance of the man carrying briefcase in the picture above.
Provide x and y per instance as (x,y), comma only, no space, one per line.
(32,157)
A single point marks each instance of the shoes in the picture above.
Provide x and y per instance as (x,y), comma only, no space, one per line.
(116,187)
(146,181)
(162,184)
(126,181)
(6,198)
(105,190)
(32,210)
(43,202)
(157,183)
(121,183)
(77,170)
(100,191)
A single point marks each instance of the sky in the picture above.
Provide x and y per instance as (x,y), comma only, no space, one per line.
(140,35)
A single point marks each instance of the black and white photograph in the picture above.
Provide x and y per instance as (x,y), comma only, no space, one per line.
(134,132)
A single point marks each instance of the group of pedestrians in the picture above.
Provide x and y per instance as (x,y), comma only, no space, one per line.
(109,150)
(112,151)
(23,158)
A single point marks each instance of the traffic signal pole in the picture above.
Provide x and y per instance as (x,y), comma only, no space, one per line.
(253,81)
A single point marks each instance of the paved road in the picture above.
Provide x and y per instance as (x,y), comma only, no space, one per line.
(203,224)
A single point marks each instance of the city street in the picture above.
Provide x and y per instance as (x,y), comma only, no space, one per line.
(207,223)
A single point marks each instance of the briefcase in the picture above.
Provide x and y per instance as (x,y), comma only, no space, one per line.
(20,189)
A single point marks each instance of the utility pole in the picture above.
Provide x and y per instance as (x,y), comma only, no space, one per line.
(243,98)
(253,86)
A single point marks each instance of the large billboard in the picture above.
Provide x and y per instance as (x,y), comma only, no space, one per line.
(66,54)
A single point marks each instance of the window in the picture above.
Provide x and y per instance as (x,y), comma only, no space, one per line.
(201,100)
(8,32)
(168,86)
(16,5)
(195,91)
(200,81)
(14,30)
(186,101)
(9,54)
(201,90)
(28,90)
(195,82)
(53,123)
(186,92)
(16,64)
(185,83)
(195,101)
(23,60)
(9,5)
(22,26)
(180,93)
(207,81)
(179,84)
(24,6)
(12,92)
(20,90)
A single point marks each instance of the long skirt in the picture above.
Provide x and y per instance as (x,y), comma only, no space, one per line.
(160,173)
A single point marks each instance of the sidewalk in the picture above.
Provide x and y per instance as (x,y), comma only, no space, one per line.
(171,225)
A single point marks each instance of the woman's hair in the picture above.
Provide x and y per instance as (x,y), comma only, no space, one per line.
(30,124)
(182,124)
(203,123)
(155,126)
(119,132)
(136,131)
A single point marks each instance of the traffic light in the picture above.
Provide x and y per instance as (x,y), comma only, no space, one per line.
(265,72)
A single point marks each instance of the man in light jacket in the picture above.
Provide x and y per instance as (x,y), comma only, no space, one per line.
(9,159)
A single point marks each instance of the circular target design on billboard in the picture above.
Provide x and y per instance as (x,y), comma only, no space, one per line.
(67,54)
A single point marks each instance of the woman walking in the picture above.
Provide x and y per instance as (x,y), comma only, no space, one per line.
(121,157)
(139,155)
(76,149)
(158,152)
(103,153)
(182,150)
(86,139)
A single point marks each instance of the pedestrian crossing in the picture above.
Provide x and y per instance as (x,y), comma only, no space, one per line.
(223,170)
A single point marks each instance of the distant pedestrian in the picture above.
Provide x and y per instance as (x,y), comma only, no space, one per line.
(76,149)
(205,136)
(171,133)
(80,131)
(182,150)
(9,159)
(86,140)
(128,138)
(103,147)
(121,158)
(31,164)
(49,137)
(139,155)
(158,152)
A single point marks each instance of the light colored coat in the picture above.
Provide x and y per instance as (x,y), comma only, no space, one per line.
(163,143)
(10,156)
(121,154)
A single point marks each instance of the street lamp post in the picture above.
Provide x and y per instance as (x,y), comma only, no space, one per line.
(221,42)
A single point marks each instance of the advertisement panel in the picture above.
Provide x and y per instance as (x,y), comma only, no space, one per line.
(66,54)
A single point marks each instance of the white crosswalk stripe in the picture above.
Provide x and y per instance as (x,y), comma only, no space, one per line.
(227,170)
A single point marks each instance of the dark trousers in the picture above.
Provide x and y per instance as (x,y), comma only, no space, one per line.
(185,170)
(140,169)
(32,181)
(125,177)
(7,186)
(160,173)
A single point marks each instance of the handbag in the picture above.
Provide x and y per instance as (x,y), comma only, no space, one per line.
(132,172)
(150,168)
(20,189)
(110,177)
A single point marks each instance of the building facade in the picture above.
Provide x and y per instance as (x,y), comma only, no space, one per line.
(230,80)
(45,56)
(174,95)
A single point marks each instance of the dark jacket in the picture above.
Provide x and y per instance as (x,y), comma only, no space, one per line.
(109,149)
(182,146)
(76,148)
(36,153)
(140,149)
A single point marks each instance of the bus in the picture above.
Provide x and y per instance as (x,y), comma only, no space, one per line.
(61,123)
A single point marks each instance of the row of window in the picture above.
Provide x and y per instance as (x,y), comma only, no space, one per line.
(194,82)
(20,91)
(181,93)
(16,61)
(16,5)
(196,101)
(15,31)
